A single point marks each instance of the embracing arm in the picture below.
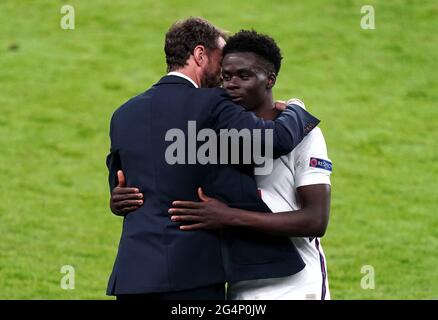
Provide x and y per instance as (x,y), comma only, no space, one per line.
(288,129)
(309,221)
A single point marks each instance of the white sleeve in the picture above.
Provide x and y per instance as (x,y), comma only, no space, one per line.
(311,162)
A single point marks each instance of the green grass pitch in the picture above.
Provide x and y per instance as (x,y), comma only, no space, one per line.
(375,90)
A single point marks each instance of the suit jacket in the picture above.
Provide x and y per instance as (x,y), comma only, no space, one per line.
(153,254)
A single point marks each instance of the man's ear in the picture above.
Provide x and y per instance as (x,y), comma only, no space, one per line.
(272,78)
(200,55)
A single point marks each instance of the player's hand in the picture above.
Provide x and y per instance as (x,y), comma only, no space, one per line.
(210,213)
(124,200)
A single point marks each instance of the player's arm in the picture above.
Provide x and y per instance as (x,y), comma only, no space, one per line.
(309,221)
(312,178)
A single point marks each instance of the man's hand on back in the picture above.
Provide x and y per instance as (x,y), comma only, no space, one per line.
(124,200)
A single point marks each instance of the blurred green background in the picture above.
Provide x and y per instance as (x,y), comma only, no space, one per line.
(375,91)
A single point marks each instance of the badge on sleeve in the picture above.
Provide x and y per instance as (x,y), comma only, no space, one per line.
(321,164)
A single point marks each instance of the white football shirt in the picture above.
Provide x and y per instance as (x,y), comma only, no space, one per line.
(307,164)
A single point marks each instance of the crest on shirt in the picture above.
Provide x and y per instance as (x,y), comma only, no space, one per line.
(321,164)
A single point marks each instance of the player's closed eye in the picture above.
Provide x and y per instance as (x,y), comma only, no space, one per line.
(244,75)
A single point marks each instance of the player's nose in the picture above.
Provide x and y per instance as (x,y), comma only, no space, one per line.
(232,84)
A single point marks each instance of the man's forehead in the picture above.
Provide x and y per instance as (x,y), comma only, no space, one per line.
(221,43)
(242,60)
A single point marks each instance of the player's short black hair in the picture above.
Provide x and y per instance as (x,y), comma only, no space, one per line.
(260,44)
(184,35)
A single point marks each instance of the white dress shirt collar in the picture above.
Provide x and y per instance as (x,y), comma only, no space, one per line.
(179,74)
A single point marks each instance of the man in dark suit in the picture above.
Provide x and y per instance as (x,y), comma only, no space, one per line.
(156,260)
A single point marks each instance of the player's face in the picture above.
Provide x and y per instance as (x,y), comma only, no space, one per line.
(211,75)
(244,79)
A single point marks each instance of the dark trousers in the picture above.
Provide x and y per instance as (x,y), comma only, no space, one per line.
(212,292)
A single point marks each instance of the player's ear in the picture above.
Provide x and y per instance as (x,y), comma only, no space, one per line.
(272,78)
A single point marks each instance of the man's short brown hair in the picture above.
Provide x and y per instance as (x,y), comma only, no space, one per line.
(183,36)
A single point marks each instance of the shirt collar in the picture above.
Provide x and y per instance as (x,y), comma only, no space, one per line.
(179,74)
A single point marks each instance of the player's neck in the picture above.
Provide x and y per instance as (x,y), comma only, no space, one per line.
(266,109)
